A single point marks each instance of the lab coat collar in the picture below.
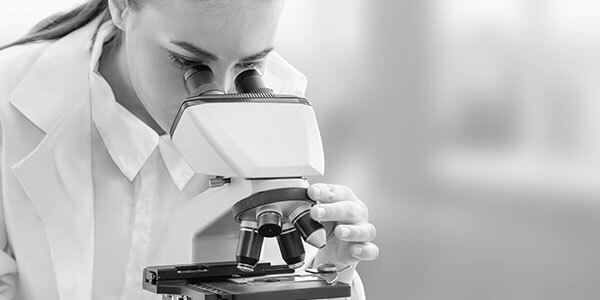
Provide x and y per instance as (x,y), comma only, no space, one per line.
(129,140)
(66,70)
(56,80)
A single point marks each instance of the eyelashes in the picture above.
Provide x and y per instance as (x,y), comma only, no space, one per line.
(184,63)
(252,65)
(181,62)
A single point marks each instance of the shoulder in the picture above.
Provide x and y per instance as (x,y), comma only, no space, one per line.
(15,63)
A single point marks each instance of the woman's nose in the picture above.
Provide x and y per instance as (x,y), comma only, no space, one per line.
(224,78)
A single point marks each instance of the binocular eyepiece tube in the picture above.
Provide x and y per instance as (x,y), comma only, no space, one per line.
(250,81)
(200,80)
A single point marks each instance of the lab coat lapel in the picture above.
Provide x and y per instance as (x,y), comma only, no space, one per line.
(56,175)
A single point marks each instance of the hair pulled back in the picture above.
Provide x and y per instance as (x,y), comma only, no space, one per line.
(61,24)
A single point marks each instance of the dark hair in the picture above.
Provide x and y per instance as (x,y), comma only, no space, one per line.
(61,24)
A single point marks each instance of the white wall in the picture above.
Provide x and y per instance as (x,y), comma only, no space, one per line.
(19,16)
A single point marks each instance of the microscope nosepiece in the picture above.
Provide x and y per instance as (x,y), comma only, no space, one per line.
(249,246)
(311,230)
(291,247)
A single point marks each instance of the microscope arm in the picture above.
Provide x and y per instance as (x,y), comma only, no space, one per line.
(184,223)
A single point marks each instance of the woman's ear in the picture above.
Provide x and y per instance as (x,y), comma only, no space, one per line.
(119,11)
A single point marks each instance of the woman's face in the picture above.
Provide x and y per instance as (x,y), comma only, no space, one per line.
(162,41)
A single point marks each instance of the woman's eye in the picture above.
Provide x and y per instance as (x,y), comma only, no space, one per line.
(181,62)
(184,63)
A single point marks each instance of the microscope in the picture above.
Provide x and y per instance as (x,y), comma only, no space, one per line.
(259,148)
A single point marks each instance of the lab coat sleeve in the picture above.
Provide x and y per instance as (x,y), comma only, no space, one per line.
(8,264)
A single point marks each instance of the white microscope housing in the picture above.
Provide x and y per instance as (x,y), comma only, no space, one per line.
(264,141)
(250,137)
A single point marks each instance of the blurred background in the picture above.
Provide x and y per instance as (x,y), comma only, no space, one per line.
(471,128)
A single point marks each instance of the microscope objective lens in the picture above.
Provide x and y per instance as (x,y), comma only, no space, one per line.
(291,247)
(249,246)
(269,220)
(311,230)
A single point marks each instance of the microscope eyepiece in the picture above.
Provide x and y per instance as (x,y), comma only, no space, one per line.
(250,81)
(200,79)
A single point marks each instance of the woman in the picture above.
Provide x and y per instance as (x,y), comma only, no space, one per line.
(89,176)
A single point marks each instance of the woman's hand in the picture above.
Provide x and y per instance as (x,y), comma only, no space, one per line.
(345,219)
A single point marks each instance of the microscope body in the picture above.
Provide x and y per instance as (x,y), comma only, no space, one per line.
(259,148)
(251,135)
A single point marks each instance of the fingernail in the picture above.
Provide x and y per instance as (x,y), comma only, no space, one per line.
(320,212)
(316,191)
(344,232)
(357,251)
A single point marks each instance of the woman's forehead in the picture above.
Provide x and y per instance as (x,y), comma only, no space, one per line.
(215,6)
(225,5)
(216,16)
(219,25)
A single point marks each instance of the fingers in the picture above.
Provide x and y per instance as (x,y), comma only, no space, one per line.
(329,193)
(337,204)
(364,251)
(355,233)
(344,212)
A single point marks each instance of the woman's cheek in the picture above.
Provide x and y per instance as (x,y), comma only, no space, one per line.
(159,85)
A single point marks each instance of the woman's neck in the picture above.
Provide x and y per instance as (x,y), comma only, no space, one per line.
(114,68)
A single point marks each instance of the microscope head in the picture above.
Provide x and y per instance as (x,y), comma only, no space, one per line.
(254,134)
(270,139)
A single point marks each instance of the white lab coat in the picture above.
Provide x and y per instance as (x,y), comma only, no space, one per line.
(45,227)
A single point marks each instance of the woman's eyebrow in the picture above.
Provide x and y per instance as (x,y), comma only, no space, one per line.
(199,52)
(258,55)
